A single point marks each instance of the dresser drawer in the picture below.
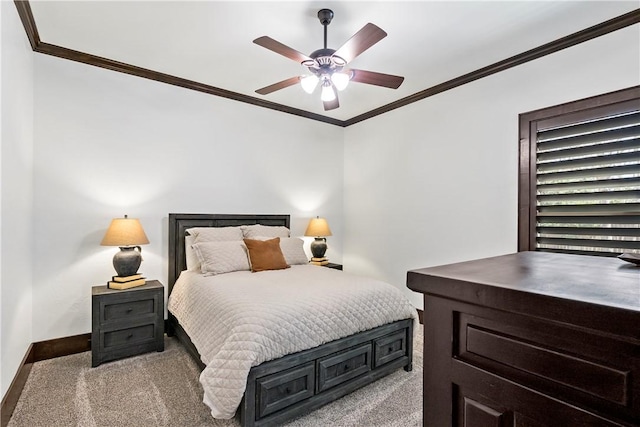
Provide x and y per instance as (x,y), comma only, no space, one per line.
(126,310)
(335,369)
(280,390)
(390,347)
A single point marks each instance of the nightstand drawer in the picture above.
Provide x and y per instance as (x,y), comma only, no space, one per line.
(129,336)
(127,310)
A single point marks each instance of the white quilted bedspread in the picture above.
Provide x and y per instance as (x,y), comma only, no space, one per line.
(241,319)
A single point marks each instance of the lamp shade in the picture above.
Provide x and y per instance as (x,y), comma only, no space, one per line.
(318,227)
(124,232)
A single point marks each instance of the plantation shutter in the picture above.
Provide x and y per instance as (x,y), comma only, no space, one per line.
(588,185)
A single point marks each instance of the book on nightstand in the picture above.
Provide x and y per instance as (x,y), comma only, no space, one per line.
(319,261)
(126,278)
(120,282)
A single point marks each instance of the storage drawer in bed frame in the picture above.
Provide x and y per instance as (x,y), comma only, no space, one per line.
(336,369)
(282,389)
(299,383)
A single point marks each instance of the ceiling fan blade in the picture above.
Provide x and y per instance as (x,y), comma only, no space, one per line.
(283,50)
(277,86)
(377,79)
(332,105)
(362,40)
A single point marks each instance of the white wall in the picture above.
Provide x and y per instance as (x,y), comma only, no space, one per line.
(436,182)
(109,144)
(2,387)
(16,190)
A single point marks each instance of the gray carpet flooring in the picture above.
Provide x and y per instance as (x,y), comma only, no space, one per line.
(162,389)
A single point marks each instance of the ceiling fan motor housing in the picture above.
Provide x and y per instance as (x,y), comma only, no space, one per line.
(324,61)
(325,16)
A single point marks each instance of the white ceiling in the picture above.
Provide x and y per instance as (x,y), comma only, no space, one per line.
(428,42)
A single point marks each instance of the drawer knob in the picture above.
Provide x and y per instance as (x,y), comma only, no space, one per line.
(286,390)
(129,310)
(129,336)
(390,349)
(346,368)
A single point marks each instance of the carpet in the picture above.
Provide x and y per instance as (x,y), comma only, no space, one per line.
(162,389)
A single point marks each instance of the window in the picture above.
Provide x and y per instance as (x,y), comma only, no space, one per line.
(580,176)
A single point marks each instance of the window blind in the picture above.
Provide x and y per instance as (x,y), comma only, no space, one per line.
(588,186)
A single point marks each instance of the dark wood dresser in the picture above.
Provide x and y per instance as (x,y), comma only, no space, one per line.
(531,339)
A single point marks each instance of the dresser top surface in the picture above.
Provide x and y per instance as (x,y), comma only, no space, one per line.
(598,280)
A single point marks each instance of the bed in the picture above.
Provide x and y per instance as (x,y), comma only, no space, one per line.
(314,373)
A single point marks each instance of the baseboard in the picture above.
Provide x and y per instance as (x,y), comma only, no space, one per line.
(58,347)
(420,316)
(41,350)
(14,391)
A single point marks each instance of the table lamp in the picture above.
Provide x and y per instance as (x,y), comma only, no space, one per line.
(318,228)
(127,233)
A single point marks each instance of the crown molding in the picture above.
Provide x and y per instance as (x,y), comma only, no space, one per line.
(28,21)
(590,33)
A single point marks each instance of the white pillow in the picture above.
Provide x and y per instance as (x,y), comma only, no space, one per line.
(216,234)
(258,230)
(292,249)
(193,263)
(222,257)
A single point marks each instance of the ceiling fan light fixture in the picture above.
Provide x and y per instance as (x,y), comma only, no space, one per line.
(340,80)
(309,83)
(327,94)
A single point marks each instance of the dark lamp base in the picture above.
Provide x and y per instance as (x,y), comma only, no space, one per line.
(319,247)
(127,261)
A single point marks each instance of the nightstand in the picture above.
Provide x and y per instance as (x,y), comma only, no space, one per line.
(334,266)
(126,322)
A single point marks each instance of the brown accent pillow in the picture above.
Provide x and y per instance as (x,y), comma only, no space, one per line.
(265,255)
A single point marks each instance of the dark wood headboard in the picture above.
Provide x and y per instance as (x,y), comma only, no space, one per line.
(179,222)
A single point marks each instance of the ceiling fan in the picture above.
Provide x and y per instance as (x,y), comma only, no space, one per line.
(327,66)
